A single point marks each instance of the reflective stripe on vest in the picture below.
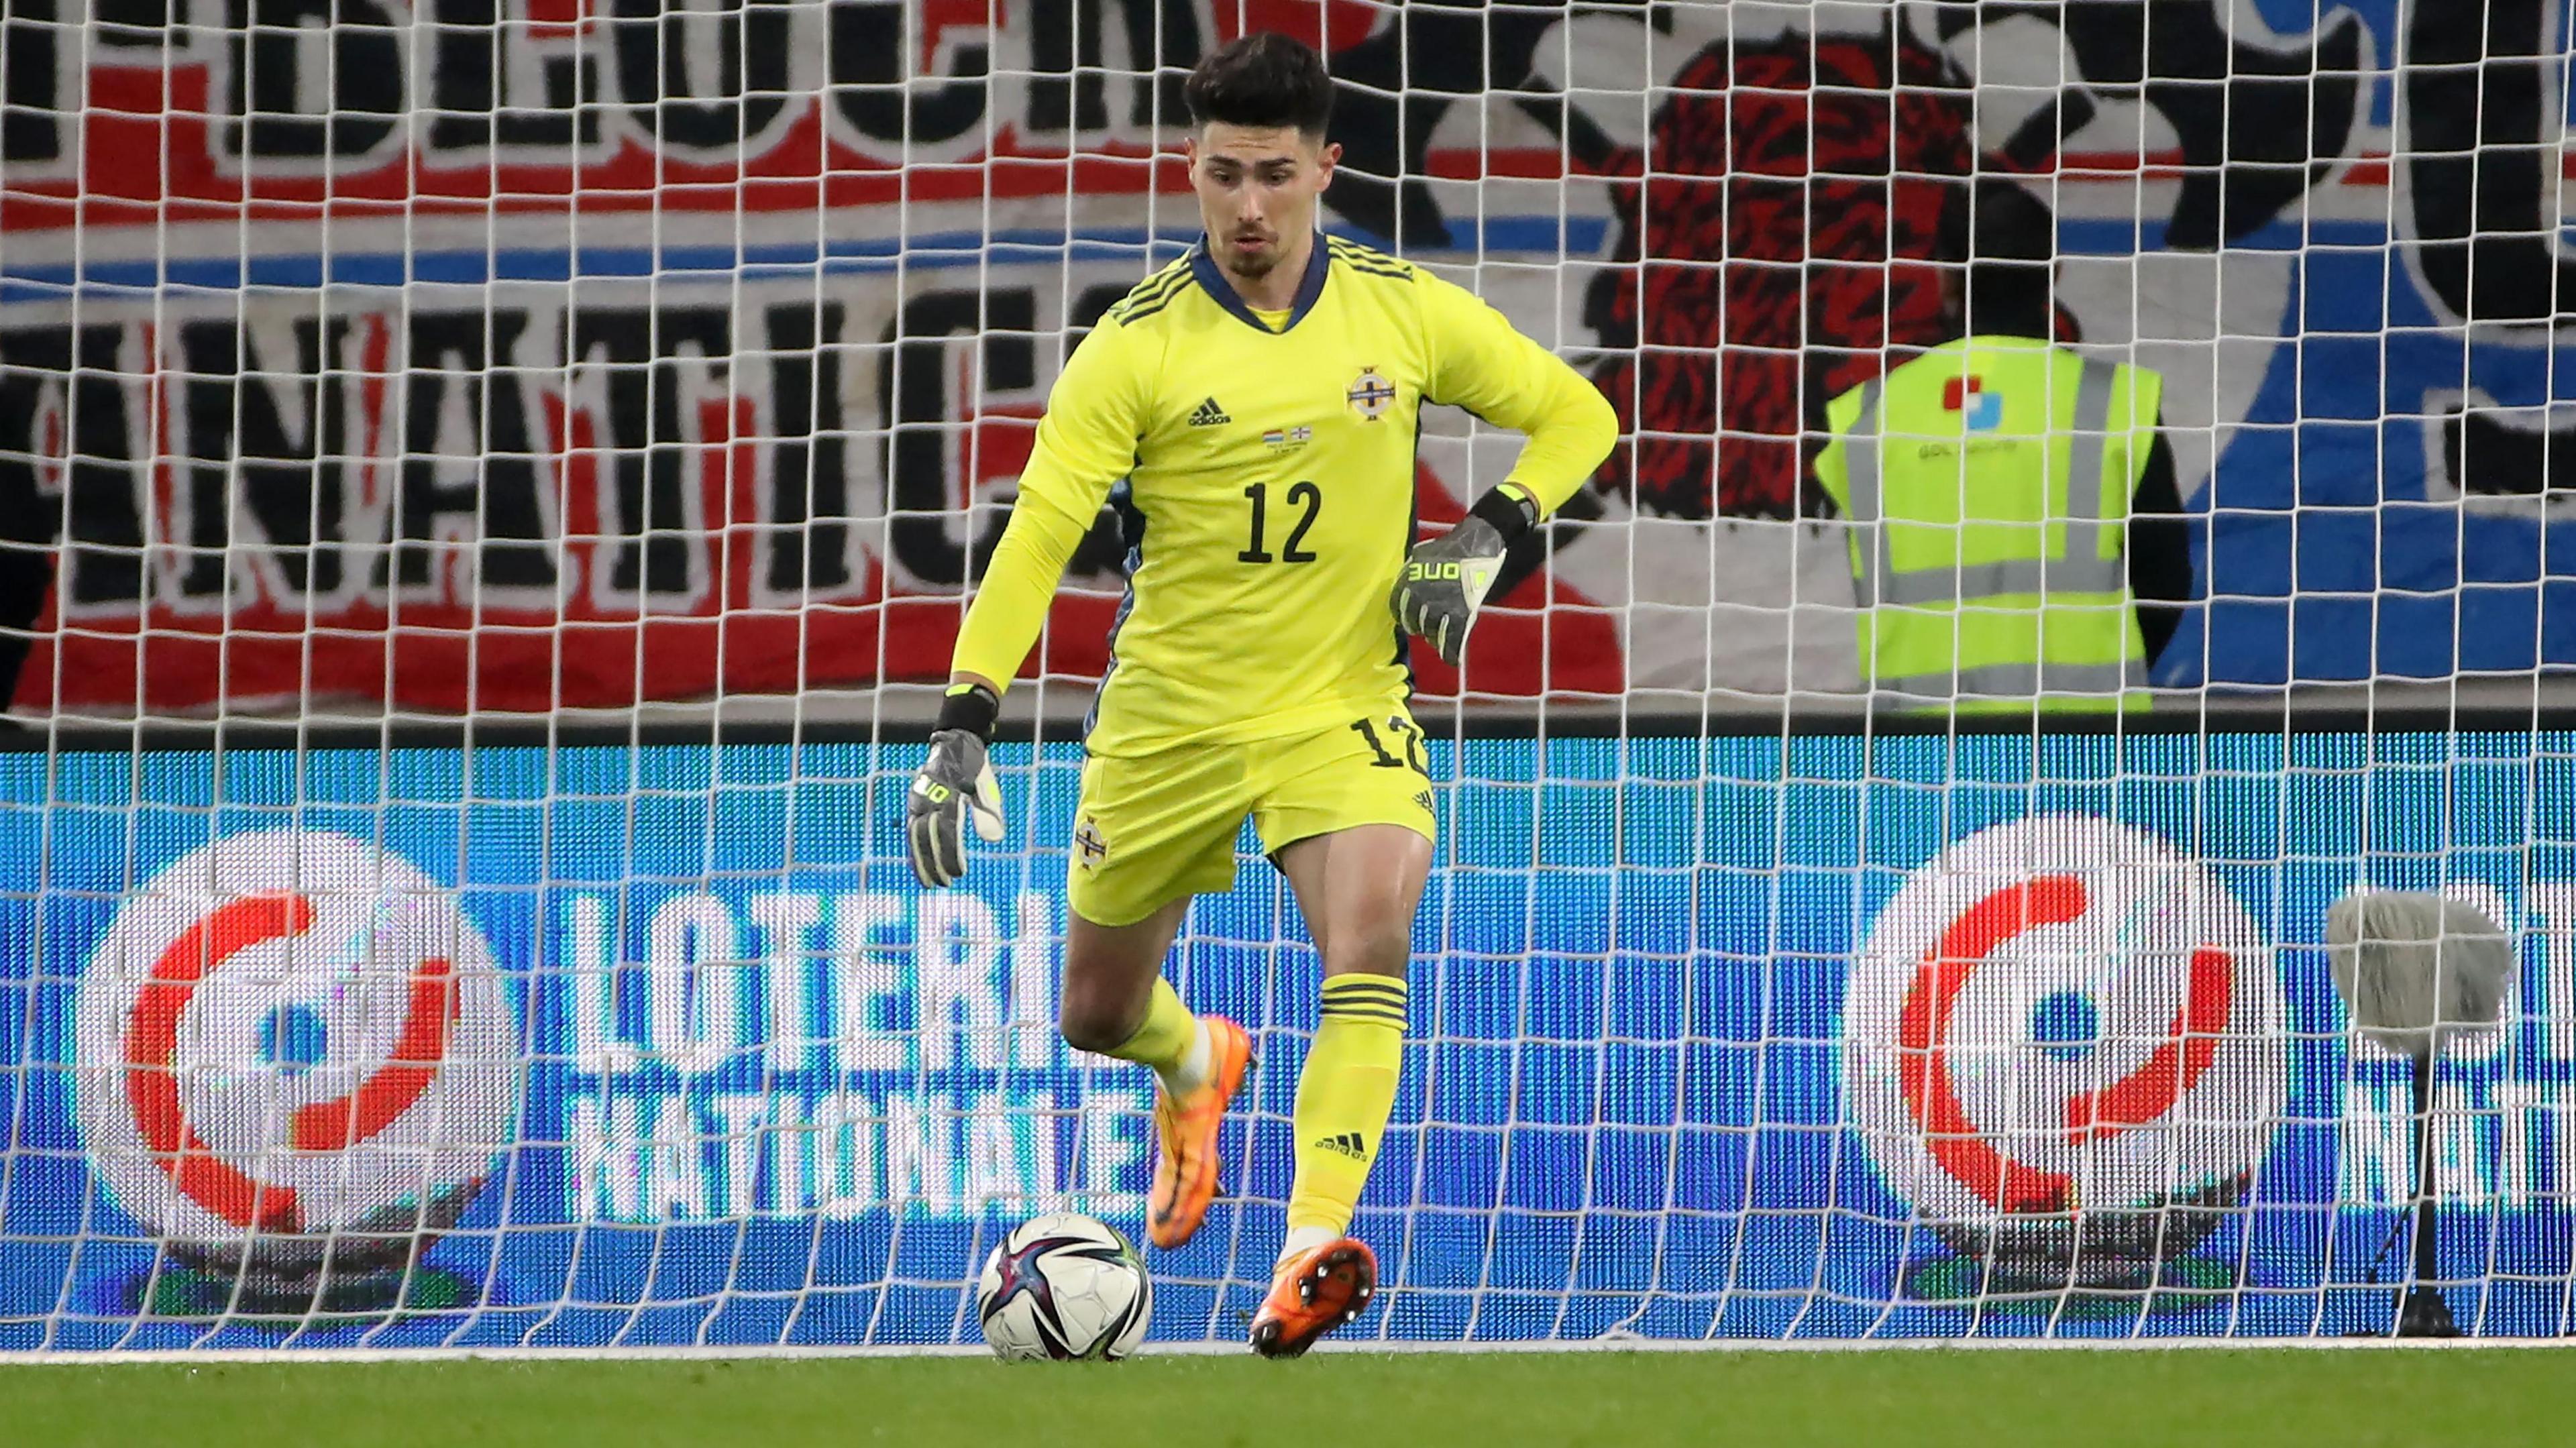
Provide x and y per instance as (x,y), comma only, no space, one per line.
(2009,681)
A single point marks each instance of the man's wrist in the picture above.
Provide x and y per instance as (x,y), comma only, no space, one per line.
(1509,510)
(972,707)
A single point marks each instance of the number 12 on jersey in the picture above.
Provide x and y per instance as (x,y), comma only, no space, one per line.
(1300,494)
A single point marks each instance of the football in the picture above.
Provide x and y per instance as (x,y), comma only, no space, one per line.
(1064,1286)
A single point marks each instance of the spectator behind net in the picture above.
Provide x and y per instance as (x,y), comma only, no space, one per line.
(2020,540)
(2007,288)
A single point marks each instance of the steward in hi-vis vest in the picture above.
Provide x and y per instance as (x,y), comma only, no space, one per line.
(1996,487)
(1988,482)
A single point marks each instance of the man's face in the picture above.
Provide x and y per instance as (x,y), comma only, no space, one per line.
(1257,187)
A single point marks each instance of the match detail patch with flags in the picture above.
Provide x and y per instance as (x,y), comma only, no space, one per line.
(1981,410)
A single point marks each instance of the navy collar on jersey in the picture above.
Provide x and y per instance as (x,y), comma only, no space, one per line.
(1319,262)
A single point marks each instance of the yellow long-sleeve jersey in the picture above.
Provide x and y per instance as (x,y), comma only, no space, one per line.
(1264,469)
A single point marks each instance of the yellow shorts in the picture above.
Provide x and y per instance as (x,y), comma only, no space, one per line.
(1157,827)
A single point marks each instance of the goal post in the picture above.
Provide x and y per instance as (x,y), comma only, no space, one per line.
(508,472)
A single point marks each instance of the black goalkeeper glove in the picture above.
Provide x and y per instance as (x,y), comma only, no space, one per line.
(956,781)
(1446,579)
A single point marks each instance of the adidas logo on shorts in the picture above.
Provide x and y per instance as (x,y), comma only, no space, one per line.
(1209,415)
(1348,1143)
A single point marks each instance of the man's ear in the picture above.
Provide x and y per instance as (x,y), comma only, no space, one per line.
(1329,157)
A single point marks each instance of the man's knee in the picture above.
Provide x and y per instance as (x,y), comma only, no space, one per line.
(1092,1023)
(1109,974)
(1384,950)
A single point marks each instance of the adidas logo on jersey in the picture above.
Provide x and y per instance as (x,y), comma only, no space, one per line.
(1348,1143)
(1209,415)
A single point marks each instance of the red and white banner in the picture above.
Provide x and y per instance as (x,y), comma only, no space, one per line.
(550,352)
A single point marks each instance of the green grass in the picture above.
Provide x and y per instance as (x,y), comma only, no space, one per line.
(2179,1399)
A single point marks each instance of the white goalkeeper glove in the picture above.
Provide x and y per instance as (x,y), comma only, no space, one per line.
(955,782)
(1447,578)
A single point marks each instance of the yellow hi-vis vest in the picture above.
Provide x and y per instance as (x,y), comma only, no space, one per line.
(1984,579)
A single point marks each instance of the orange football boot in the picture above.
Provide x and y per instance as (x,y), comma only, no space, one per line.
(1312,1294)
(1185,1172)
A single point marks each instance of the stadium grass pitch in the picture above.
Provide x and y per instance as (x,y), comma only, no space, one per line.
(1846,1399)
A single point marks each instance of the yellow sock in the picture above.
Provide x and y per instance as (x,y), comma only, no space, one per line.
(1171,1041)
(1343,1100)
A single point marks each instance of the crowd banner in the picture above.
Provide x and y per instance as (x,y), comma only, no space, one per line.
(594,351)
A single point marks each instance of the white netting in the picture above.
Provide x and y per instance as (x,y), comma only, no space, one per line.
(640,368)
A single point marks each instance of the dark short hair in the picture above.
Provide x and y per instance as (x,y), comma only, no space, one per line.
(1262,79)
(2007,240)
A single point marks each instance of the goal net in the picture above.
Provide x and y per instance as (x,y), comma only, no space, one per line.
(490,486)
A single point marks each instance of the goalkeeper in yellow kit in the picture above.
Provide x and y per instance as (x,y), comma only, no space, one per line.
(1253,410)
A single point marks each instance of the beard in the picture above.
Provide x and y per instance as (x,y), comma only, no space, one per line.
(1256,265)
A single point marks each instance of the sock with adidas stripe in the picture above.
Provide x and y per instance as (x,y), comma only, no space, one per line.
(1343,1099)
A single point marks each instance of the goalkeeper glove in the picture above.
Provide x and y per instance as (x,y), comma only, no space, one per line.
(956,781)
(1446,579)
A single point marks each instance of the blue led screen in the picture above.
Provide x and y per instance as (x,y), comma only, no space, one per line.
(662,1045)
